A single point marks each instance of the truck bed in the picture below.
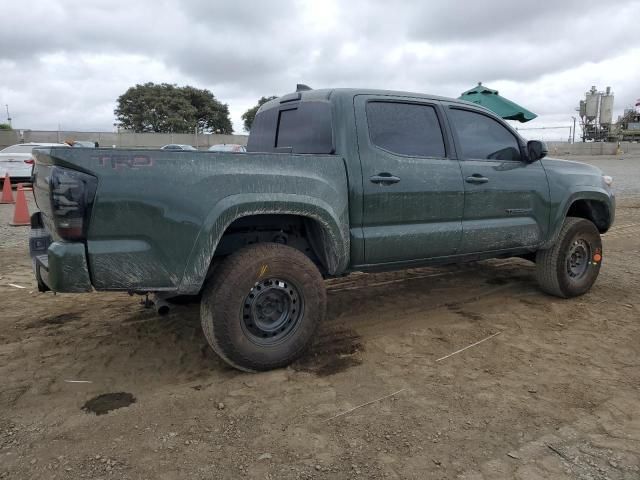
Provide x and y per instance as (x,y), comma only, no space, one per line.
(158,215)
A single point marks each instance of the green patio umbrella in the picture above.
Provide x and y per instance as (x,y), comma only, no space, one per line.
(499,105)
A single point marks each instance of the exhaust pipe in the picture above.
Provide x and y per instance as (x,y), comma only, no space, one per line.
(161,305)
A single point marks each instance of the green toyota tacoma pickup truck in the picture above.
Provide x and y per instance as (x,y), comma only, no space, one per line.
(333,181)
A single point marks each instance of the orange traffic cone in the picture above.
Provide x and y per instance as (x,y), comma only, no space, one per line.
(21,213)
(7,194)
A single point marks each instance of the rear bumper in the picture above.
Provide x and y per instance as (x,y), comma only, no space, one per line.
(15,180)
(17,174)
(58,266)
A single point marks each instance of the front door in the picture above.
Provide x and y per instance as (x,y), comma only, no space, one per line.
(413,190)
(506,201)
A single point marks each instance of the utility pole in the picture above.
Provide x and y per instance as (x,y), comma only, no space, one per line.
(8,116)
(574,130)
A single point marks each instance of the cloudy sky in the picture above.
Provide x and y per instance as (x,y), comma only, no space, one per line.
(64,62)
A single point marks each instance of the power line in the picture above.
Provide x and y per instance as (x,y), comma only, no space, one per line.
(544,128)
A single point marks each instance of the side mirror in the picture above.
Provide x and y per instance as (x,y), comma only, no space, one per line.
(536,150)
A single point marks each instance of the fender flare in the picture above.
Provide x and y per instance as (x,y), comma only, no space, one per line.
(334,244)
(557,222)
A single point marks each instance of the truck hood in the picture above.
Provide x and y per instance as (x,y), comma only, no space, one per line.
(581,173)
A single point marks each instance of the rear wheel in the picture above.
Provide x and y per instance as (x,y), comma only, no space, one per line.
(263,306)
(572,265)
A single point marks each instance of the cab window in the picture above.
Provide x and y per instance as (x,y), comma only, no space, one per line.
(481,137)
(405,128)
(303,127)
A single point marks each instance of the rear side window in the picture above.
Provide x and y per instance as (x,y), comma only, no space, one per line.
(302,128)
(481,137)
(20,149)
(289,129)
(405,128)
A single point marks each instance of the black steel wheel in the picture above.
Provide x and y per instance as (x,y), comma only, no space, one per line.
(578,258)
(571,266)
(272,310)
(262,307)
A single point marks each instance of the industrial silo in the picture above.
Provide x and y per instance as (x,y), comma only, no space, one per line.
(582,110)
(592,102)
(606,107)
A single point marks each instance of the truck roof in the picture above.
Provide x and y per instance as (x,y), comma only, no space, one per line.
(302,121)
(327,93)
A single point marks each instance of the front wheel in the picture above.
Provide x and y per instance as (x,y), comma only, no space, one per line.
(571,266)
(263,306)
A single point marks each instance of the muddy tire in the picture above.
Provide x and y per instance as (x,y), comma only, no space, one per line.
(262,307)
(571,266)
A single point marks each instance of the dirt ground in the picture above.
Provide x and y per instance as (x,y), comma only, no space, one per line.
(555,395)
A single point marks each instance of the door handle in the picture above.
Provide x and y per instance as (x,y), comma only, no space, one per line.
(384,178)
(476,178)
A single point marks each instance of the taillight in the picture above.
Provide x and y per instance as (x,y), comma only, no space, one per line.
(72,195)
(31,161)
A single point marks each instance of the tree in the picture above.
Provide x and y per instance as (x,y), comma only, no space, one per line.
(168,108)
(250,115)
(5,126)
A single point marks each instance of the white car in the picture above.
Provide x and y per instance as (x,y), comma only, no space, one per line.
(17,160)
(178,146)
(227,147)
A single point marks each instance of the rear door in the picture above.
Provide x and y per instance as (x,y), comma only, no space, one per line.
(412,188)
(506,198)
